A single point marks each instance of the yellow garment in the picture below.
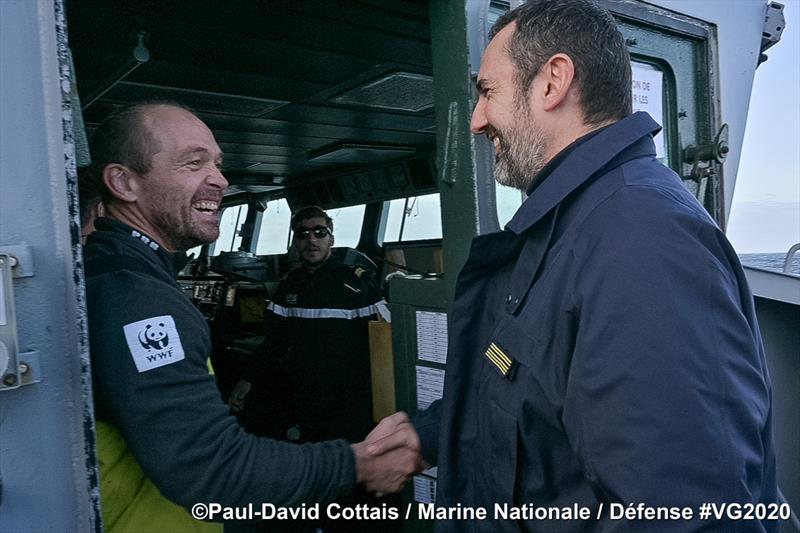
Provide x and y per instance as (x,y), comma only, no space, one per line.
(130,501)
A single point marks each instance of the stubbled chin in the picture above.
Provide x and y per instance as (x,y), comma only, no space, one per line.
(207,225)
(313,258)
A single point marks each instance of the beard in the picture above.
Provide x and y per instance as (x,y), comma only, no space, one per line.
(183,231)
(521,154)
(314,262)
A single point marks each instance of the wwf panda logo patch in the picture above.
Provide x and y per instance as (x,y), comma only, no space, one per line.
(153,342)
(154,336)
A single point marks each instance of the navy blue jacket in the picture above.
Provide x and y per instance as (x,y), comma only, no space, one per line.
(604,349)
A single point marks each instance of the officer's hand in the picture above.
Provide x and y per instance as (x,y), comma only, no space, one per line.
(236,399)
(389,455)
(392,432)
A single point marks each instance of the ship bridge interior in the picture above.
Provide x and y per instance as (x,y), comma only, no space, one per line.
(313,103)
(327,103)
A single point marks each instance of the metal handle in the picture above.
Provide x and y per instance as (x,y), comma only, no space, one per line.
(16,369)
(9,359)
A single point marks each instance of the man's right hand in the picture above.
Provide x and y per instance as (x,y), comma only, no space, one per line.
(389,456)
(238,394)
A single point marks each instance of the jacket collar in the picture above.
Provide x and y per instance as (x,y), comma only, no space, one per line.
(174,262)
(583,161)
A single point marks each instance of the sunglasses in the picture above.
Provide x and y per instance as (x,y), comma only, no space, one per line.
(319,232)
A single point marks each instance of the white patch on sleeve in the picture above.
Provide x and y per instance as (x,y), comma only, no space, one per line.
(153,342)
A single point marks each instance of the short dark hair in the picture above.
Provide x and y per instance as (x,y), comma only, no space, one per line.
(123,137)
(585,32)
(311,211)
(88,195)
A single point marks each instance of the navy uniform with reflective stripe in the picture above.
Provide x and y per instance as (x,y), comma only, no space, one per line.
(604,349)
(316,332)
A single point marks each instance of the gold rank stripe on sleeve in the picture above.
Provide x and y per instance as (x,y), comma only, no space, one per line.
(501,361)
(501,355)
(499,364)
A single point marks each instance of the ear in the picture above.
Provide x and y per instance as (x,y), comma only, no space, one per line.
(332,239)
(557,74)
(119,180)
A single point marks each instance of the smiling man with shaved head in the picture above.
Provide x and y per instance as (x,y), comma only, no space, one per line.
(165,439)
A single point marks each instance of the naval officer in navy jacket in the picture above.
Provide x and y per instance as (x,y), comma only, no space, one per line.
(603,349)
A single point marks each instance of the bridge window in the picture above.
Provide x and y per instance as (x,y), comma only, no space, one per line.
(414,218)
(229,228)
(273,235)
(347,222)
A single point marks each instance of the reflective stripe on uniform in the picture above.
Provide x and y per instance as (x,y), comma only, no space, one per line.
(305,312)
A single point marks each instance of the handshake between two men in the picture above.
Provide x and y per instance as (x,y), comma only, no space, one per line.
(389,456)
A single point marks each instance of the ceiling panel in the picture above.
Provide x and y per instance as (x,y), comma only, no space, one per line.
(265,75)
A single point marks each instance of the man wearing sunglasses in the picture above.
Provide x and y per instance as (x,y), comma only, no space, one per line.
(310,379)
(313,238)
